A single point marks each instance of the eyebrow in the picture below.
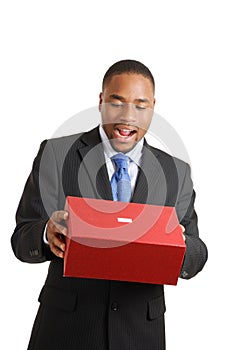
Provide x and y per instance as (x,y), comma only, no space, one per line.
(117,97)
(121,98)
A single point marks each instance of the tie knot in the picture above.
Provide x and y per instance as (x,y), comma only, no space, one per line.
(121,160)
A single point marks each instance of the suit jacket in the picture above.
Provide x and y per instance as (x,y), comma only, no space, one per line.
(80,313)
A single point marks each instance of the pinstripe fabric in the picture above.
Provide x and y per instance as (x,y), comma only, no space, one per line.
(89,314)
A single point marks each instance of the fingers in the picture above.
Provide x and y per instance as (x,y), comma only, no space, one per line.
(183,230)
(57,246)
(56,232)
(56,222)
(59,216)
(55,227)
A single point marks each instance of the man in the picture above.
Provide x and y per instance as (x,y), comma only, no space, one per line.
(80,313)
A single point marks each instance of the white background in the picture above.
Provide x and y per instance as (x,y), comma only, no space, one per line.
(53,57)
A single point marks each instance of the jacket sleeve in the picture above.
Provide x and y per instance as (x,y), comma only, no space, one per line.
(35,207)
(196,251)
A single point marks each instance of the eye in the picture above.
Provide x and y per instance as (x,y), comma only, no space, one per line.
(116,104)
(140,107)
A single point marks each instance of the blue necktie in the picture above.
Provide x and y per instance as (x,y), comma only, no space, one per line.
(121,182)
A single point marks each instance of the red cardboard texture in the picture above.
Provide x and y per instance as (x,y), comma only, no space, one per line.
(123,241)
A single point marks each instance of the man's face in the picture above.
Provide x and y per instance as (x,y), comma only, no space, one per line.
(126,106)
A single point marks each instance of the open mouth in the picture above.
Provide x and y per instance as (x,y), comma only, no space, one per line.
(124,132)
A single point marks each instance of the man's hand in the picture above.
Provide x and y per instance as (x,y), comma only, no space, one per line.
(56,232)
(183,229)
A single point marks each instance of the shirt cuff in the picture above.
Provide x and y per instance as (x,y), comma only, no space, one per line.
(44,235)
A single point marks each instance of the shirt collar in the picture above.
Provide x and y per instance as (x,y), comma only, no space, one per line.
(135,154)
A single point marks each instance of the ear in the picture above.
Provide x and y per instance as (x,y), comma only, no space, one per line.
(100,101)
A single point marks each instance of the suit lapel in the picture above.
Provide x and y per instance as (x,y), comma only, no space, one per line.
(93,167)
(146,189)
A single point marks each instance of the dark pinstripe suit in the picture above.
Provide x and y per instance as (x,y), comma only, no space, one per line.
(79,313)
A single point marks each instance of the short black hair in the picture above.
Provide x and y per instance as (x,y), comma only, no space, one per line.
(128,66)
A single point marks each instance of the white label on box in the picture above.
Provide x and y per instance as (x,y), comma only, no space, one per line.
(127,220)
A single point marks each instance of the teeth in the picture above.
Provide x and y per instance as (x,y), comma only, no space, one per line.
(124,132)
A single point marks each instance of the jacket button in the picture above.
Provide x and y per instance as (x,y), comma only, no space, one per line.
(114,306)
(184,274)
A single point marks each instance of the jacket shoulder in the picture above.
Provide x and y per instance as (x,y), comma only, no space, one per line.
(64,140)
(79,140)
(168,158)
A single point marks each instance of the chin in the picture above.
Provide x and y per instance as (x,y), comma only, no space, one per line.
(122,147)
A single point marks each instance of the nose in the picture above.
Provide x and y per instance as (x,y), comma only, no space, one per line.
(129,114)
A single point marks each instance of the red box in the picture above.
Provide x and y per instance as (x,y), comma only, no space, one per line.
(123,241)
